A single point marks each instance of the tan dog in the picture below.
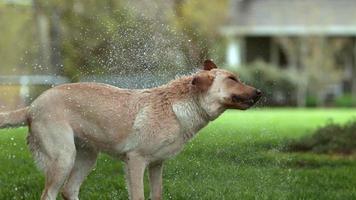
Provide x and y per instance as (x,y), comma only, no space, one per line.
(70,124)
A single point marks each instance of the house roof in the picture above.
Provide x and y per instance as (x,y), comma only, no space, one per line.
(291,17)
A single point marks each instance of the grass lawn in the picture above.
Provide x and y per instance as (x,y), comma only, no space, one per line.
(235,157)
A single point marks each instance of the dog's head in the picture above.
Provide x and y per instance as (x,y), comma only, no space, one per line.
(221,89)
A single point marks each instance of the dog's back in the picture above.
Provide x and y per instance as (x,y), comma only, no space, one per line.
(89,109)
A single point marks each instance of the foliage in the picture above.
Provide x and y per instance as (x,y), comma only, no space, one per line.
(315,60)
(311,101)
(332,138)
(345,101)
(114,36)
(278,85)
(110,37)
(17,48)
(200,21)
(115,40)
(238,150)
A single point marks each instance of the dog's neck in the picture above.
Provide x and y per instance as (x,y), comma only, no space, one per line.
(187,107)
(191,116)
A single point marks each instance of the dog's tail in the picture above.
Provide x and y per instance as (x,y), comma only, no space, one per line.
(14,118)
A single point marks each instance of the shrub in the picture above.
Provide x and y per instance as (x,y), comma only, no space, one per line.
(278,85)
(332,138)
(345,101)
(311,101)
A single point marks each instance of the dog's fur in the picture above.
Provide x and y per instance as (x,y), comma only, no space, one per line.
(70,124)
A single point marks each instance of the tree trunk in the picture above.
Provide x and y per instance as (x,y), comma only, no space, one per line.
(353,78)
(301,94)
(56,57)
(353,87)
(43,35)
(303,83)
(321,96)
(296,56)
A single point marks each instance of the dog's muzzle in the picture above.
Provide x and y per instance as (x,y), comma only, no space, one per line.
(250,101)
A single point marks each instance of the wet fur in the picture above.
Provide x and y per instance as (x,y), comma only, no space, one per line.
(70,124)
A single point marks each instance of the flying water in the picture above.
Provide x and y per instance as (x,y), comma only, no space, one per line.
(143,53)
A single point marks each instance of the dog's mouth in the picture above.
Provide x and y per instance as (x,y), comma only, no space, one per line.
(244,103)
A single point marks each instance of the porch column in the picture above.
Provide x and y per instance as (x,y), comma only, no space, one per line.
(234,54)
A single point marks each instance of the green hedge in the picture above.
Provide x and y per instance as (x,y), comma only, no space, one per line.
(278,85)
(345,101)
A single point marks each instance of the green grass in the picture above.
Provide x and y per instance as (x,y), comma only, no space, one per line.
(235,157)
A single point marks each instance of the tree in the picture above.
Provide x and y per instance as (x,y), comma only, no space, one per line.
(353,79)
(313,58)
(126,37)
(17,44)
(200,21)
(47,18)
(42,24)
(108,37)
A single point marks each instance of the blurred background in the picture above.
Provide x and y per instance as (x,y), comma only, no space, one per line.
(300,141)
(300,53)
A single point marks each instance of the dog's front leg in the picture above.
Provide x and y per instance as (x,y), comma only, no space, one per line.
(135,168)
(155,177)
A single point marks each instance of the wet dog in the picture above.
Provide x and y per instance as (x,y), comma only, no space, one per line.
(70,124)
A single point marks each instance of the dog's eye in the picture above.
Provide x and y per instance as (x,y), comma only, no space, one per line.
(233,78)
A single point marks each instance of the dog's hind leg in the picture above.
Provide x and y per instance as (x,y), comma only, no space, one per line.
(52,144)
(84,162)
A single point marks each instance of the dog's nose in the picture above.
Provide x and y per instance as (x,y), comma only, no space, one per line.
(258,92)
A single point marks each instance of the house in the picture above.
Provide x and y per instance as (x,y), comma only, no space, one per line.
(286,34)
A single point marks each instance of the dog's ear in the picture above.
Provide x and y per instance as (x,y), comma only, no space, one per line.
(209,65)
(202,82)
